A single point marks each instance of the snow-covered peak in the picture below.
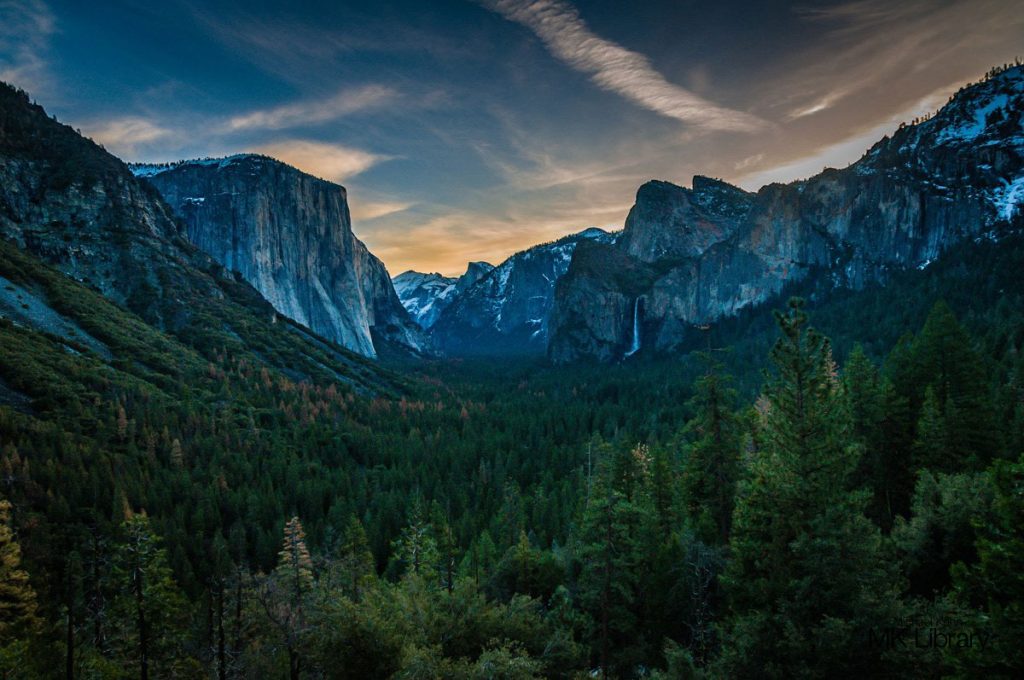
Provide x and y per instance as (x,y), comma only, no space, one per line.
(508,309)
(594,233)
(424,296)
(152,169)
(984,110)
(406,281)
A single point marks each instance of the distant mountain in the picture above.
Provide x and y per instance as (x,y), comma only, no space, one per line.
(425,296)
(506,311)
(66,203)
(288,234)
(693,256)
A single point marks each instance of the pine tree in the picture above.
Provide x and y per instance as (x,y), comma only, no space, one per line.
(221,570)
(893,462)
(712,461)
(863,387)
(294,563)
(149,612)
(480,559)
(416,547)
(807,579)
(447,549)
(525,570)
(286,594)
(355,564)
(663,497)
(611,555)
(879,419)
(932,447)
(177,456)
(945,360)
(122,423)
(17,598)
(995,585)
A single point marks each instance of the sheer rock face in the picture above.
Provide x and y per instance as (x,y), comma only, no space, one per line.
(507,310)
(289,235)
(695,255)
(78,208)
(671,222)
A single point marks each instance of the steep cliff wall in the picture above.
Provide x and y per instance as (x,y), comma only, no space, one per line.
(70,203)
(712,250)
(289,235)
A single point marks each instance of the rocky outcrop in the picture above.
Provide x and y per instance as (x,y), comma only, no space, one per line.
(289,235)
(672,222)
(692,256)
(425,296)
(70,203)
(67,204)
(474,272)
(507,311)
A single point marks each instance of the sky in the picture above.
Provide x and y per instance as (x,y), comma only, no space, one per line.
(470,129)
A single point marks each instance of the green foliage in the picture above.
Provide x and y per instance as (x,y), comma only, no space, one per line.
(712,458)
(354,569)
(946,362)
(17,600)
(807,578)
(294,563)
(526,570)
(474,485)
(993,587)
(940,532)
(615,520)
(416,550)
(148,614)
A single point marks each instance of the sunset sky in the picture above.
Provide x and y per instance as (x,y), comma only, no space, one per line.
(468,130)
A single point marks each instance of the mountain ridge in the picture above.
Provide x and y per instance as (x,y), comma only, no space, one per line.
(506,311)
(69,205)
(947,178)
(289,234)
(425,296)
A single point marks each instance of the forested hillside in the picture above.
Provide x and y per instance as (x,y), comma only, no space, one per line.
(475,520)
(830,484)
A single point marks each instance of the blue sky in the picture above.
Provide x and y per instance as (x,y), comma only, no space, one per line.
(467,130)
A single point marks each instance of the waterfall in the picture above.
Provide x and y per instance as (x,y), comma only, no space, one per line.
(634,346)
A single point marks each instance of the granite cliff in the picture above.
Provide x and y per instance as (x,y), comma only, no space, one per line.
(289,235)
(68,205)
(692,256)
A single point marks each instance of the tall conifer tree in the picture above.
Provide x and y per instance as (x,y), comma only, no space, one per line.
(807,581)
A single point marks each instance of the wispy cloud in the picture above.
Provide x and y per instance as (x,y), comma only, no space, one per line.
(296,49)
(837,155)
(310,112)
(329,161)
(829,77)
(819,105)
(615,68)
(370,210)
(124,136)
(875,48)
(25,30)
(871,65)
